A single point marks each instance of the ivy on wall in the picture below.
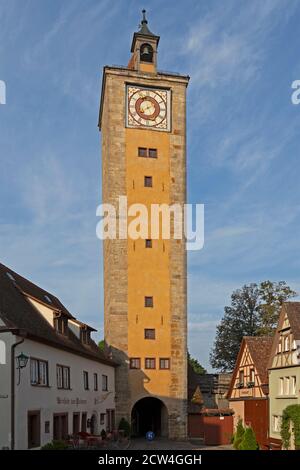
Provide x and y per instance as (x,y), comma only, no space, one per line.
(290,422)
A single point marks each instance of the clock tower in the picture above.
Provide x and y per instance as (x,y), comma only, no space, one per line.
(143,125)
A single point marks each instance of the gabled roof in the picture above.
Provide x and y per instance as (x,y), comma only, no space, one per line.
(20,315)
(292,310)
(260,349)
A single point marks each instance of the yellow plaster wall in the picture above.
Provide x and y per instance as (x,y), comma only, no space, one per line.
(148,268)
(145,67)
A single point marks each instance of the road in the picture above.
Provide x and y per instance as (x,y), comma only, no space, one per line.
(166,444)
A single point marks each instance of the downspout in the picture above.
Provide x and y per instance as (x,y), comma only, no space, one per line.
(13,393)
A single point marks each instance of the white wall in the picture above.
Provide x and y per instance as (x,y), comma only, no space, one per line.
(45,399)
(5,391)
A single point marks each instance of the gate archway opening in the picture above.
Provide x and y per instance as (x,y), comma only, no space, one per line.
(149,414)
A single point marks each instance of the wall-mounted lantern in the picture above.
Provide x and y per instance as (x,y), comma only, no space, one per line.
(21,360)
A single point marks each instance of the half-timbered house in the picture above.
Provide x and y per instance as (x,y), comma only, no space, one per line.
(248,391)
(284,368)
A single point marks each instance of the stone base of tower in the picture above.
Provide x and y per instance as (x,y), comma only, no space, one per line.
(166,417)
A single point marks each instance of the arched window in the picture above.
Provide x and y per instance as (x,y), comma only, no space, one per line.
(146,53)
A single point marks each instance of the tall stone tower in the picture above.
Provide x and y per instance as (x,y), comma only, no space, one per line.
(143,123)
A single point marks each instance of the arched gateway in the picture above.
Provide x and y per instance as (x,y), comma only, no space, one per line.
(149,414)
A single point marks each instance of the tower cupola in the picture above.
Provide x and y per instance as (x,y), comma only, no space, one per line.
(144,48)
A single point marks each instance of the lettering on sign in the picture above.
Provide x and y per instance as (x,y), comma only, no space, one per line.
(68,401)
(246,392)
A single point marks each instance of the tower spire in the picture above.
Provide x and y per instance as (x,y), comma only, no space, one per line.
(143,26)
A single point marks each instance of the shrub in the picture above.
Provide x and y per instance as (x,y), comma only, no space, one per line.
(249,440)
(238,435)
(125,426)
(55,445)
(290,418)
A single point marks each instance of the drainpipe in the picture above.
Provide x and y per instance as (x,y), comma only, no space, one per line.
(13,392)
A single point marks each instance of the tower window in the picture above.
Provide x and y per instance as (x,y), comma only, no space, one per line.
(148,301)
(146,53)
(148,243)
(142,152)
(148,181)
(147,153)
(164,363)
(149,333)
(152,153)
(135,363)
(149,363)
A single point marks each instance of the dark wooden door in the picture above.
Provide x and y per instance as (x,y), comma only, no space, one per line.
(83,422)
(60,426)
(256,416)
(34,429)
(76,423)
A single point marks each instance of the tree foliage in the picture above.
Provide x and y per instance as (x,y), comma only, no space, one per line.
(254,311)
(125,427)
(248,440)
(272,295)
(290,420)
(101,345)
(238,435)
(196,366)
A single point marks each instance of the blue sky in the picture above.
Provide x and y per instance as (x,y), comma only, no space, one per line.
(243,142)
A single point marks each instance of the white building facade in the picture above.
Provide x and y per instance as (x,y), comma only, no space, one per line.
(67,385)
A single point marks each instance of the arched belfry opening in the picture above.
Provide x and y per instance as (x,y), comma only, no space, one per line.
(149,414)
(146,53)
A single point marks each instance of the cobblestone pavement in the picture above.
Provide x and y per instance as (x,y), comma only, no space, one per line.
(165,444)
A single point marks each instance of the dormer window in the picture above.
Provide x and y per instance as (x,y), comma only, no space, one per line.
(61,325)
(47,298)
(146,53)
(85,336)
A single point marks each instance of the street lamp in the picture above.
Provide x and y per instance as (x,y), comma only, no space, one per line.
(22,360)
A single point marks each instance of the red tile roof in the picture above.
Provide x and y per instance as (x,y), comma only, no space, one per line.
(18,313)
(293,313)
(260,350)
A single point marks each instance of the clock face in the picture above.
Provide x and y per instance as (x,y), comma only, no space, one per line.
(147,107)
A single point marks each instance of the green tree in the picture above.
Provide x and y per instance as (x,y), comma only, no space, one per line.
(254,311)
(240,319)
(290,421)
(238,435)
(248,441)
(125,427)
(272,295)
(101,345)
(196,366)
